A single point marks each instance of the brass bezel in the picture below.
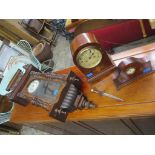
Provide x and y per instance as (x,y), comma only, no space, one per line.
(85,49)
(134,70)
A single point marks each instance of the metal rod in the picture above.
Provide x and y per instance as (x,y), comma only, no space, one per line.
(103,93)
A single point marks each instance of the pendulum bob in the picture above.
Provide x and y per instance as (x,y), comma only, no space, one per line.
(131,69)
(56,93)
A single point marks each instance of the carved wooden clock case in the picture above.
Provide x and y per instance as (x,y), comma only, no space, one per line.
(131,69)
(58,94)
(89,57)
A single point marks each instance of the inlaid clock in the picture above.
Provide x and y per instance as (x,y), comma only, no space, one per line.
(89,56)
(131,69)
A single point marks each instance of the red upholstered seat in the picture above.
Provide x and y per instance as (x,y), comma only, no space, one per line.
(122,33)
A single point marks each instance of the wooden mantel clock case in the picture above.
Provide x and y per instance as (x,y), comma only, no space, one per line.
(133,68)
(58,94)
(89,57)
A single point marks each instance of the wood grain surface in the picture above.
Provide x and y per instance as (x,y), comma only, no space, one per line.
(139,97)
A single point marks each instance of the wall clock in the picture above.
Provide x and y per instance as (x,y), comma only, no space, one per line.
(89,57)
(58,94)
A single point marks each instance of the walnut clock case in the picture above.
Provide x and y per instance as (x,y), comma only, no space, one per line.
(130,70)
(58,94)
(89,57)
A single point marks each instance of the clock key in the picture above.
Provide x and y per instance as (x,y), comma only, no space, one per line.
(103,93)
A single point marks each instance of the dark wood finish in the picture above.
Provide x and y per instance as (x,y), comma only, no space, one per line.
(5,105)
(17,83)
(42,51)
(131,69)
(95,127)
(40,29)
(67,128)
(67,98)
(35,25)
(10,128)
(146,125)
(83,40)
(108,127)
(103,68)
(129,126)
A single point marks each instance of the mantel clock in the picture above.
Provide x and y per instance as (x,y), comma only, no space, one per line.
(89,56)
(131,69)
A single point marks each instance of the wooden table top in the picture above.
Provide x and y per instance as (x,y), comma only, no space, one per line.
(139,97)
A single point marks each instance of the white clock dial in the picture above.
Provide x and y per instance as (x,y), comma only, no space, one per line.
(130,70)
(89,57)
(33,86)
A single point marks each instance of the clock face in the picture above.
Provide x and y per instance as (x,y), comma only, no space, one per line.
(33,86)
(45,89)
(89,57)
(130,70)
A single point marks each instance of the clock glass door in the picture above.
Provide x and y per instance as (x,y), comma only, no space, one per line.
(45,89)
